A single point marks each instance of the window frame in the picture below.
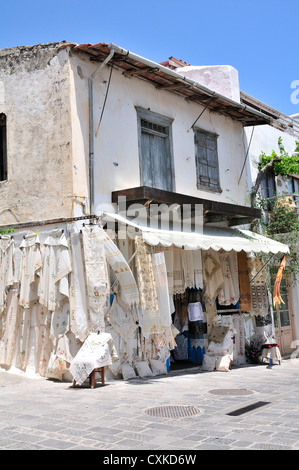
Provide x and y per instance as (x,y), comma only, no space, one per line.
(213,137)
(3,147)
(157,120)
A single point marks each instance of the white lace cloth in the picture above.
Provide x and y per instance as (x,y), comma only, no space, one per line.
(97,351)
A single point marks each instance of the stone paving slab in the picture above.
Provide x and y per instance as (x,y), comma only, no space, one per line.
(53,415)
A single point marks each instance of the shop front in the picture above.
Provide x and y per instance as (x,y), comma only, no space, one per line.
(75,299)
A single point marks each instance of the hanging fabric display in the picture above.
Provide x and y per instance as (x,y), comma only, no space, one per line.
(30,265)
(198,273)
(227,294)
(178,272)
(277,300)
(245,294)
(160,275)
(54,284)
(150,315)
(188,268)
(258,287)
(122,321)
(213,277)
(96,276)
(78,290)
(128,285)
(10,324)
(168,253)
(43,347)
(7,250)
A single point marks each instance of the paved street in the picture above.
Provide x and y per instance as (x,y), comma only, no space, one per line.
(40,414)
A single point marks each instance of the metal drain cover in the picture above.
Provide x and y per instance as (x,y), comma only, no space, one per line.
(172,411)
(234,392)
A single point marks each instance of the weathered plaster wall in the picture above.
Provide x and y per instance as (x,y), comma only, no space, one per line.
(116,140)
(34,95)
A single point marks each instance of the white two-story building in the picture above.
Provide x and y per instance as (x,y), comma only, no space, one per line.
(90,130)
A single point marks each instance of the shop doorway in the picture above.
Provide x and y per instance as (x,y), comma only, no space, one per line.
(283,318)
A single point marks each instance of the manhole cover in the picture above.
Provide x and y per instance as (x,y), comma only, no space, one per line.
(172,411)
(231,391)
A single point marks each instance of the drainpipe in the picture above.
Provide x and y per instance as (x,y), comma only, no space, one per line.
(91,132)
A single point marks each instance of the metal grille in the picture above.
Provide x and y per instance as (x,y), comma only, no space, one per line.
(172,411)
(231,391)
(248,408)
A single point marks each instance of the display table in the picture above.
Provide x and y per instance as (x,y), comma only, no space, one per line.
(96,352)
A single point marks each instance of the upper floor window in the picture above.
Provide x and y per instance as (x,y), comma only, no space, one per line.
(293,183)
(155,150)
(206,156)
(3,153)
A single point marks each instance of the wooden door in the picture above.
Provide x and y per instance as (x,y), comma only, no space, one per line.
(283,319)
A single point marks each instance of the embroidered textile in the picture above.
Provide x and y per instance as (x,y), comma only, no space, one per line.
(178,271)
(277,300)
(60,322)
(43,346)
(227,295)
(96,276)
(243,273)
(10,324)
(160,275)
(98,350)
(168,253)
(240,334)
(188,268)
(198,273)
(259,292)
(7,251)
(150,315)
(213,277)
(129,290)
(122,321)
(30,264)
(78,291)
(56,265)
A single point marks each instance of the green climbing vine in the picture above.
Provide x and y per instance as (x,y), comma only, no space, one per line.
(288,164)
(279,219)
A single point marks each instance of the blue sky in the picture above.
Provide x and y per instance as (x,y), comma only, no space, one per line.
(258,38)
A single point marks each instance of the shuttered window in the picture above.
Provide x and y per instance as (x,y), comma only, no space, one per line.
(3,156)
(206,155)
(155,150)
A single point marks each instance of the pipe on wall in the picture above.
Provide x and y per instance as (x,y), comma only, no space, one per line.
(91,131)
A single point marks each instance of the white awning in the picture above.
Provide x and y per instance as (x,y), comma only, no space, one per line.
(211,237)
